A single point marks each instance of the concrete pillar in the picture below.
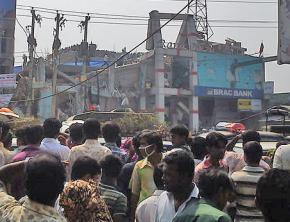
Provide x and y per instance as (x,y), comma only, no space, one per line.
(142,104)
(159,84)
(193,100)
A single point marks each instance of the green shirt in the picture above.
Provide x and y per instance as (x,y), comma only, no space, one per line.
(202,211)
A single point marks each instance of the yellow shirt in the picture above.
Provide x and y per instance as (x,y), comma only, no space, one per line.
(142,183)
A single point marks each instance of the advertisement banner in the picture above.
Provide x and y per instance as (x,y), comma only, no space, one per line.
(7,80)
(5,99)
(284,32)
(222,71)
(249,105)
(228,93)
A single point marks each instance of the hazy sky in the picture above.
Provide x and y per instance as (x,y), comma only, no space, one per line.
(115,37)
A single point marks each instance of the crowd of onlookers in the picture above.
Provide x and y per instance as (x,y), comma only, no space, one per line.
(52,176)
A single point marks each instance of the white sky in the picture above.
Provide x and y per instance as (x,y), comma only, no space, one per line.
(115,37)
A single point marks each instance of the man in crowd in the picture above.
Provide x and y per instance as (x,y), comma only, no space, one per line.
(21,139)
(45,177)
(81,200)
(235,161)
(245,184)
(76,136)
(273,195)
(33,137)
(216,147)
(5,154)
(181,193)
(198,148)
(142,184)
(111,132)
(147,209)
(91,147)
(282,158)
(179,136)
(50,143)
(215,188)
(115,200)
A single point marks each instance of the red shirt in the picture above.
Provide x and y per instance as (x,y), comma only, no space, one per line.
(206,164)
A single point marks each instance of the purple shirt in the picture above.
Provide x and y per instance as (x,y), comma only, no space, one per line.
(28,151)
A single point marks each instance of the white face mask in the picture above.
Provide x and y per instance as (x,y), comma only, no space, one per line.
(145,150)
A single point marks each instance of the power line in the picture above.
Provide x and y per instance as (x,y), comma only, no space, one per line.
(21,27)
(115,62)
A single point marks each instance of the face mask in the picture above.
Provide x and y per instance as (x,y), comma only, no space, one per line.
(145,150)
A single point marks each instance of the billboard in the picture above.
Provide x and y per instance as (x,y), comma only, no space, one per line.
(284,32)
(220,75)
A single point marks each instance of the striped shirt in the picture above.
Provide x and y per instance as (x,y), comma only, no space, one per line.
(245,183)
(115,200)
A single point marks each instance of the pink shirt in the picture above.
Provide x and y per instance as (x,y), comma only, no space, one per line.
(28,151)
(235,162)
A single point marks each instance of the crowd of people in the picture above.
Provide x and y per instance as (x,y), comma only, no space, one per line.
(55,177)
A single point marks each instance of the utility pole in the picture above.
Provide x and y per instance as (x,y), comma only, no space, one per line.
(85,49)
(60,23)
(32,44)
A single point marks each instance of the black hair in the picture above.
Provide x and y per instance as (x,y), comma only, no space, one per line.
(21,135)
(8,140)
(157,177)
(76,132)
(5,129)
(85,165)
(45,178)
(198,147)
(111,166)
(153,138)
(51,127)
(273,195)
(92,128)
(34,134)
(253,151)
(111,132)
(251,135)
(213,138)
(184,163)
(212,181)
(180,130)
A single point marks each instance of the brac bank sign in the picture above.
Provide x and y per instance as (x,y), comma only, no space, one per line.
(231,93)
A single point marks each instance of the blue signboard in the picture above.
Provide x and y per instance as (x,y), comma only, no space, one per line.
(229,93)
(7,8)
(218,71)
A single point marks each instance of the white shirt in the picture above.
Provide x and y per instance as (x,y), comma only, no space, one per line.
(53,146)
(147,209)
(166,205)
(282,158)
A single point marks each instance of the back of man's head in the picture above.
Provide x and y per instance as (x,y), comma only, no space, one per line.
(153,138)
(45,177)
(4,131)
(273,195)
(251,135)
(21,137)
(111,131)
(180,130)
(111,166)
(215,139)
(183,162)
(84,166)
(214,182)
(157,177)
(92,128)
(76,133)
(198,147)
(253,152)
(34,134)
(51,127)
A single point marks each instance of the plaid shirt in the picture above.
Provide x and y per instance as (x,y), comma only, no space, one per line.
(117,151)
